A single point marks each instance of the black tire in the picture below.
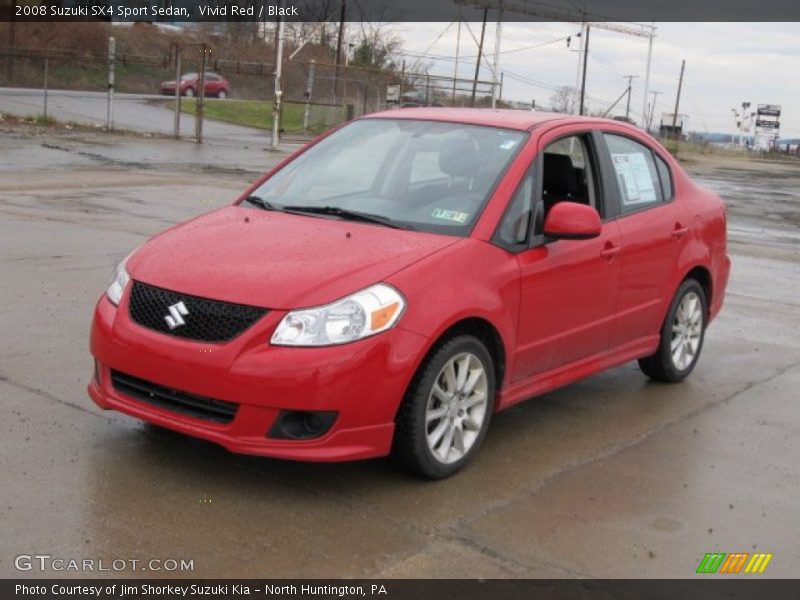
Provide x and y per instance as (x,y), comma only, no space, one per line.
(410,449)
(661,366)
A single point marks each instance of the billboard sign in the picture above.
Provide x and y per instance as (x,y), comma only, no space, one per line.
(769,110)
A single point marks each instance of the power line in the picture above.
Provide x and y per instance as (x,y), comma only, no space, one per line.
(446,58)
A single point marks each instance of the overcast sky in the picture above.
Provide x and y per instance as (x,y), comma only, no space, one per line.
(726,64)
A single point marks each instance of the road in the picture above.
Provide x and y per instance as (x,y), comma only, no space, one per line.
(611,477)
(134,112)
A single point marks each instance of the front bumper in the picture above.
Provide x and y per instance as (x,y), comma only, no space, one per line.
(364,382)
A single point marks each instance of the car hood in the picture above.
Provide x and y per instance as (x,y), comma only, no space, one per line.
(277,260)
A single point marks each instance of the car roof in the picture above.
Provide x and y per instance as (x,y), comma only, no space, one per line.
(507,118)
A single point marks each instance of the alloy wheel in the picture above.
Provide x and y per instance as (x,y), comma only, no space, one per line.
(687,329)
(456,408)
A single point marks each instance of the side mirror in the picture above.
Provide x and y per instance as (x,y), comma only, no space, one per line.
(572,221)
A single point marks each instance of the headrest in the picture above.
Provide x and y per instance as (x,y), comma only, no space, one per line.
(459,158)
(559,175)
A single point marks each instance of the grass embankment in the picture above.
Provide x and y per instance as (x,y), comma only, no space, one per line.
(689,151)
(256,113)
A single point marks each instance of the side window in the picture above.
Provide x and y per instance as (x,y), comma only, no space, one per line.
(666,177)
(567,173)
(515,225)
(637,176)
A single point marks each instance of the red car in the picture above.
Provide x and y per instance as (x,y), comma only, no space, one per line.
(390,286)
(215,85)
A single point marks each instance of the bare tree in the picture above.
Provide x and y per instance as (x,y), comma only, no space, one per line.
(563,100)
(376,46)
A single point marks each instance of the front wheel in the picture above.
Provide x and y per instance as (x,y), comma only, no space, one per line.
(681,336)
(189,93)
(446,412)
(222,94)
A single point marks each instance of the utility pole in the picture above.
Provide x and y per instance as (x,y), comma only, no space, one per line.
(630,79)
(678,98)
(112,47)
(498,34)
(652,109)
(339,41)
(45,83)
(480,53)
(585,60)
(500,93)
(647,74)
(277,104)
(455,69)
(578,70)
(201,94)
(309,92)
(176,126)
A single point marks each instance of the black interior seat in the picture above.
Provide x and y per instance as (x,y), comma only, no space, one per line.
(561,181)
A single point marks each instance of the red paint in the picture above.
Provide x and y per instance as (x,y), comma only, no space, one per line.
(562,311)
(567,220)
(214,84)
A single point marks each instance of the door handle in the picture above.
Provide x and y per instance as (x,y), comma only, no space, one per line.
(609,251)
(679,231)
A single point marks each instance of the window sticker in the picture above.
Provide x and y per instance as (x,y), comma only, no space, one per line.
(450,215)
(635,180)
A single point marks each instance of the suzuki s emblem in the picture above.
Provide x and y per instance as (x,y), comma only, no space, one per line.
(176,313)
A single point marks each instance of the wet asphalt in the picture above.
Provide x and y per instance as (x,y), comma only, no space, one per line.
(613,476)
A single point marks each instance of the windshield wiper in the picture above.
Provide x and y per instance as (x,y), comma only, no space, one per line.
(343,213)
(261,203)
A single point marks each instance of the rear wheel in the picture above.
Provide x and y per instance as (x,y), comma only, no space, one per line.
(681,336)
(446,412)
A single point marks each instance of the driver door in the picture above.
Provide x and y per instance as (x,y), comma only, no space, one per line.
(568,288)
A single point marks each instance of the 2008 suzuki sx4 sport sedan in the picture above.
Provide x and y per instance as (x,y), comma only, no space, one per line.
(390,286)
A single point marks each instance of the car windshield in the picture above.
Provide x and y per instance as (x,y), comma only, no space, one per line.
(424,175)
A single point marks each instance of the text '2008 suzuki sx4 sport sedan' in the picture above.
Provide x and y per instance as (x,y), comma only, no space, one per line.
(390,286)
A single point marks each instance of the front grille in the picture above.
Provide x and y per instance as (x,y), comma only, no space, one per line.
(198,407)
(203,320)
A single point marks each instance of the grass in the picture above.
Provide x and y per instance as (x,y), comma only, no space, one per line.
(40,119)
(258,114)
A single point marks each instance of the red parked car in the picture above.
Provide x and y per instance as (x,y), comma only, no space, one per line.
(390,286)
(215,85)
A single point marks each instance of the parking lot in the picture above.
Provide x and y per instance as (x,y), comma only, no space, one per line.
(614,476)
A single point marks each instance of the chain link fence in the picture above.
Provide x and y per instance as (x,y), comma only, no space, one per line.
(316,95)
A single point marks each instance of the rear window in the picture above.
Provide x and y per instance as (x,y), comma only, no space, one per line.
(637,175)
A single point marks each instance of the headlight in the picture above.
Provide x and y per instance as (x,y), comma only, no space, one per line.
(360,315)
(118,283)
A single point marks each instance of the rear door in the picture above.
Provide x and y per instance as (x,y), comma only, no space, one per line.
(213,83)
(568,288)
(654,229)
